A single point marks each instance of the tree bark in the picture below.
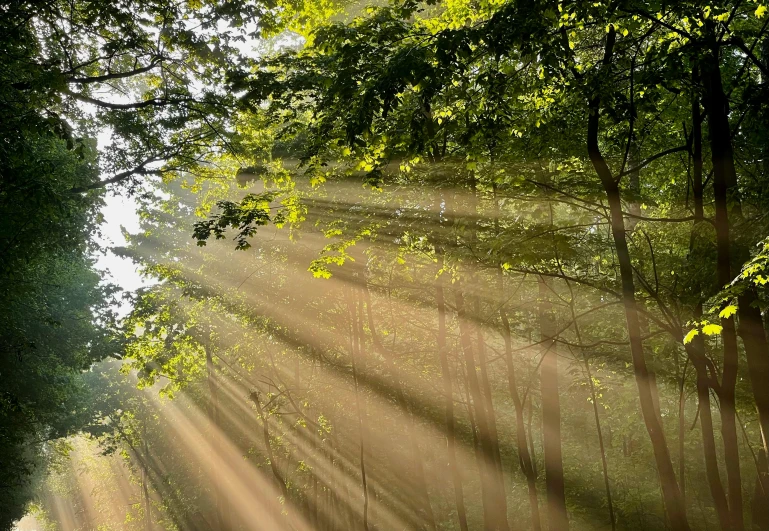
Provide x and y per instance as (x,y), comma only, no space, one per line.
(551,415)
(524,457)
(213,417)
(670,490)
(489,403)
(494,503)
(448,404)
(423,507)
(355,345)
(724,186)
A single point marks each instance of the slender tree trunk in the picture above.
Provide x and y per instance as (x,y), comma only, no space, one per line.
(338,493)
(724,184)
(355,344)
(551,415)
(753,337)
(699,216)
(489,403)
(709,450)
(493,494)
(671,492)
(213,417)
(697,186)
(268,446)
(524,457)
(532,450)
(471,420)
(448,404)
(145,481)
(423,507)
(594,400)
(681,439)
(760,504)
(315,502)
(601,446)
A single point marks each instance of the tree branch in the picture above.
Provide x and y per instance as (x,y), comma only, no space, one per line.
(739,43)
(651,159)
(116,75)
(141,169)
(154,102)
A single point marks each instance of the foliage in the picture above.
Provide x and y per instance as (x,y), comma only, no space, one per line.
(479,190)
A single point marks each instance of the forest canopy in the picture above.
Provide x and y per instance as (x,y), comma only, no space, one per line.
(413,265)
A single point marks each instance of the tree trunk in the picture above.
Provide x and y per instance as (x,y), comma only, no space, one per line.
(355,351)
(494,502)
(422,506)
(448,404)
(145,481)
(489,402)
(681,439)
(724,185)
(697,186)
(760,507)
(213,417)
(709,451)
(670,490)
(594,400)
(551,414)
(524,457)
(753,337)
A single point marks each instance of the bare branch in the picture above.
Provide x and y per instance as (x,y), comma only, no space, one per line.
(154,102)
(115,75)
(141,169)
(651,159)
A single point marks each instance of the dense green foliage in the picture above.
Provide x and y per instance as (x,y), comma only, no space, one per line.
(462,265)
(49,293)
(68,71)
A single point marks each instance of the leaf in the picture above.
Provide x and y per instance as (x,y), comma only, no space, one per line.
(690,336)
(727,312)
(760,11)
(712,329)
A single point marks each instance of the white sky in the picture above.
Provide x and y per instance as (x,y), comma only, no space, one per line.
(119,212)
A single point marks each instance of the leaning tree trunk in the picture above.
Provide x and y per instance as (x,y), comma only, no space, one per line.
(670,491)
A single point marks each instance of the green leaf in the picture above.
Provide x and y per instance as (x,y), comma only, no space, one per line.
(727,312)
